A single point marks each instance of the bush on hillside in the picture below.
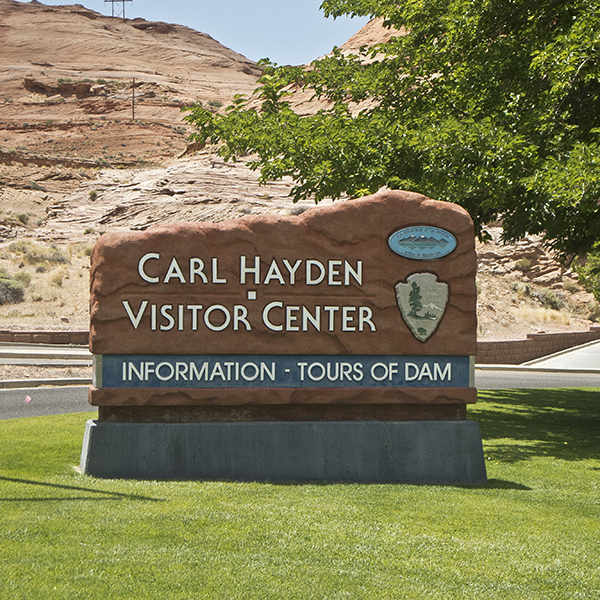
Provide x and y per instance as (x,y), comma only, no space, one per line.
(11,290)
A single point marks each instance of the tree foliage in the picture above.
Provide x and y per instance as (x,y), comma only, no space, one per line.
(589,272)
(492,104)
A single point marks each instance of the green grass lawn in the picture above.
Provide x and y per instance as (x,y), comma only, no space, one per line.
(532,532)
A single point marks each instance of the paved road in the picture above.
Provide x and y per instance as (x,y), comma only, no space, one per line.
(501,379)
(44,401)
(60,400)
(586,356)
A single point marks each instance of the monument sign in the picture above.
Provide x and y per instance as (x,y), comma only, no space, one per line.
(333,345)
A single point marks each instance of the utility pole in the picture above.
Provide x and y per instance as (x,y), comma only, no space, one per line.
(116,13)
(133,100)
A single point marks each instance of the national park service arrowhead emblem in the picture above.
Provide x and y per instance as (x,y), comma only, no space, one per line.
(422,301)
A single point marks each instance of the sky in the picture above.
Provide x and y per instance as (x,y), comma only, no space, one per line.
(286,31)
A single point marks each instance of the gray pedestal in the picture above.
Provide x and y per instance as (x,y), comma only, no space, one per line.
(423,452)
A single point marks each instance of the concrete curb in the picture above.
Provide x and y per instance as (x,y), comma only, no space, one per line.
(534,369)
(31,383)
(44,351)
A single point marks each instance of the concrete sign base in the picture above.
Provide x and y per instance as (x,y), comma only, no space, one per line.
(415,452)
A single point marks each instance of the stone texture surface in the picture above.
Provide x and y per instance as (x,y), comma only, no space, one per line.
(272,396)
(408,452)
(356,230)
(282,412)
(352,230)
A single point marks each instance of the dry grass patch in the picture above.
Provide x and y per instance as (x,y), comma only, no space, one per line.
(539,316)
(30,253)
(55,281)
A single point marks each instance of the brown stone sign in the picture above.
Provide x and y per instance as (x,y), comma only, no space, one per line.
(362,310)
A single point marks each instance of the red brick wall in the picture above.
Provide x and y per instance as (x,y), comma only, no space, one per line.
(45,337)
(515,352)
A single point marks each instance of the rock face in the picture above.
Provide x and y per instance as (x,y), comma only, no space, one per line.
(68,95)
(322,283)
(42,43)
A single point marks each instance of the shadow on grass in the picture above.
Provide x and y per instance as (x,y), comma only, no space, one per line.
(557,423)
(498,484)
(108,494)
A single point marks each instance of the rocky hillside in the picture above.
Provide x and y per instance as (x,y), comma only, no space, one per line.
(75,162)
(68,97)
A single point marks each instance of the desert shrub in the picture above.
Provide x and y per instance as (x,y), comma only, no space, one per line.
(11,291)
(571,286)
(19,247)
(522,289)
(594,312)
(57,277)
(550,299)
(82,249)
(23,218)
(93,195)
(24,278)
(38,254)
(523,264)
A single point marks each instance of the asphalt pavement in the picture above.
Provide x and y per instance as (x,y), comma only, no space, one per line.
(575,368)
(39,402)
(503,377)
(14,403)
(586,356)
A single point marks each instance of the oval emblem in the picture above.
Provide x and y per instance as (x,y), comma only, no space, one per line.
(422,243)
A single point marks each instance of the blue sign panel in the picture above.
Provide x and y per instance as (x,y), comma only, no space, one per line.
(280,371)
(422,243)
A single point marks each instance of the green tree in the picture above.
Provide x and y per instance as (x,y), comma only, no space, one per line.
(589,272)
(414,300)
(492,104)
